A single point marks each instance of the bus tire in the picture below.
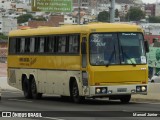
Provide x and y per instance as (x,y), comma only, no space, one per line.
(35,94)
(26,88)
(125,99)
(75,93)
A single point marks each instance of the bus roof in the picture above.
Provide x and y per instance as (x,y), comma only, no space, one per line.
(71,29)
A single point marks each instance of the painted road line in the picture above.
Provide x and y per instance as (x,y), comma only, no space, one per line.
(51,118)
(148,103)
(15,92)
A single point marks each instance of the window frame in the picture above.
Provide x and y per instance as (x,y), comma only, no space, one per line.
(118,50)
(47,38)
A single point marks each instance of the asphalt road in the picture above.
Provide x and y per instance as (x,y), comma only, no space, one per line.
(55,108)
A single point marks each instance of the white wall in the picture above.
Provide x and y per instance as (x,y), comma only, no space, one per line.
(5,4)
(24,6)
(153,28)
(69,19)
(157,10)
(8,24)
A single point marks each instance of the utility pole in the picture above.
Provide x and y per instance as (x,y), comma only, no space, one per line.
(112,11)
(79,11)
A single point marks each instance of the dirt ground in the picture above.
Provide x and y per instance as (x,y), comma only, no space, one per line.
(3,69)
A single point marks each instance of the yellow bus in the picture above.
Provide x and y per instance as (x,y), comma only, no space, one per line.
(79,61)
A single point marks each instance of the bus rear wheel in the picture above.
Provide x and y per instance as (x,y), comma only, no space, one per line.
(75,93)
(35,94)
(125,99)
(26,88)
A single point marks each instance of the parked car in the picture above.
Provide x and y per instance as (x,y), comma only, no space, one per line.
(155,78)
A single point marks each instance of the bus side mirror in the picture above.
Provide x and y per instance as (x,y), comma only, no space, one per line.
(146,45)
(83,48)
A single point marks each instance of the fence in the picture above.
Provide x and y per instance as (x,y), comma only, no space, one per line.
(3,55)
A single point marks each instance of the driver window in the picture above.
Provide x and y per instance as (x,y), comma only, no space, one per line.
(97,50)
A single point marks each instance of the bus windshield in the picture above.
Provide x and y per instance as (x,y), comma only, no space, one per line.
(117,48)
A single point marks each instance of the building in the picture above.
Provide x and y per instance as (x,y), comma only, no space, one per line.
(157,8)
(21,7)
(69,19)
(150,38)
(150,9)
(7,24)
(7,4)
(53,21)
(151,28)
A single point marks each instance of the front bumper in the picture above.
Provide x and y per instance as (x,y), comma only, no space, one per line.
(116,90)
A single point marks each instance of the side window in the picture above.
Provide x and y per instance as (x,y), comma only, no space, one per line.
(74,44)
(27,45)
(62,44)
(50,44)
(12,45)
(32,44)
(18,44)
(22,45)
(41,47)
(37,44)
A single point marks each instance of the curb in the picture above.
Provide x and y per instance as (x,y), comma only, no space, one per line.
(144,100)
(4,85)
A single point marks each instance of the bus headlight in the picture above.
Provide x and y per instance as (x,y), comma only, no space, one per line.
(98,90)
(104,90)
(85,78)
(138,89)
(141,88)
(101,90)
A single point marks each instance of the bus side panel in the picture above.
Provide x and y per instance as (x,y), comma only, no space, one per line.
(40,81)
(54,81)
(57,82)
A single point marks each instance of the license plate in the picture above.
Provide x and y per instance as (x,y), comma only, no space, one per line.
(122,90)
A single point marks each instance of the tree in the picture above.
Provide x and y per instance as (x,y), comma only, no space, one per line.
(24,18)
(135,14)
(154,19)
(103,16)
(3,37)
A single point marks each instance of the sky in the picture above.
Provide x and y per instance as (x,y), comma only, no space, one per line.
(149,1)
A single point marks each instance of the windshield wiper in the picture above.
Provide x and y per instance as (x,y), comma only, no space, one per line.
(127,56)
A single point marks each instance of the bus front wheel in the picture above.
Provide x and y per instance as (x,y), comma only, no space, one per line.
(26,88)
(75,93)
(35,94)
(125,99)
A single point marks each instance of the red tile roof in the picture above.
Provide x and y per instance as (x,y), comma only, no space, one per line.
(52,21)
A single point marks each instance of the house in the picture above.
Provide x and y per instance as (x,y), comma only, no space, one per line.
(54,21)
